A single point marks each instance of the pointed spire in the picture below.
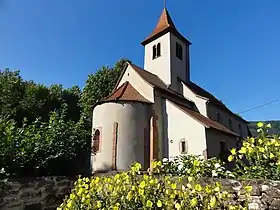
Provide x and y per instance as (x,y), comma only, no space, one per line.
(165,24)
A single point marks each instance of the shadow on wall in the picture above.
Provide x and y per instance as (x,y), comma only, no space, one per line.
(165,131)
(106,168)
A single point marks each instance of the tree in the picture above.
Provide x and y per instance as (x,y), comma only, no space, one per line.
(100,85)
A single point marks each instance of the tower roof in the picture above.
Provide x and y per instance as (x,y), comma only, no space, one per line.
(164,25)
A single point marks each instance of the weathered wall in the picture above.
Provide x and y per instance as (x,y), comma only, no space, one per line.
(44,193)
(264,196)
(47,193)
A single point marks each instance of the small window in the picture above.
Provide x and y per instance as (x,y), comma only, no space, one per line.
(96,141)
(223,150)
(230,124)
(156,50)
(183,146)
(240,130)
(219,119)
(179,51)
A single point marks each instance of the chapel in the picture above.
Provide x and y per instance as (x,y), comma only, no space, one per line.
(157,112)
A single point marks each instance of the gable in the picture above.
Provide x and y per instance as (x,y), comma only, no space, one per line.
(131,76)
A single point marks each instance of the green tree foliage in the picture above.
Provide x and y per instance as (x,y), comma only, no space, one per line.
(275,127)
(43,127)
(21,99)
(100,85)
(38,148)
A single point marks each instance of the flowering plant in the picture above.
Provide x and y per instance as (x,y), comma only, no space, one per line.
(128,190)
(195,166)
(258,157)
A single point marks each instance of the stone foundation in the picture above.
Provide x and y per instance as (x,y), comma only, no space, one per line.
(44,193)
(47,193)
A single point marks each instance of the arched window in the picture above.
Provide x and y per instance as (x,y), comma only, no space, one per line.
(96,141)
(154,51)
(158,49)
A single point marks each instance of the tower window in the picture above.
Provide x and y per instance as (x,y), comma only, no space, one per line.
(96,141)
(179,51)
(156,50)
(183,146)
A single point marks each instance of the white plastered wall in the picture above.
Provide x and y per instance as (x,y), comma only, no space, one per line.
(143,87)
(159,66)
(181,125)
(133,120)
(199,101)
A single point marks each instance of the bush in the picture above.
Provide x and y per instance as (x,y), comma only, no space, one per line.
(129,190)
(258,158)
(195,166)
(42,148)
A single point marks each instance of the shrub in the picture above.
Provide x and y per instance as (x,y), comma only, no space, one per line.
(128,190)
(258,157)
(195,166)
(38,148)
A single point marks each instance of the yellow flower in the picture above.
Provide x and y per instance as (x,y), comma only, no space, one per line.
(173,186)
(230,158)
(141,191)
(248,188)
(177,206)
(242,150)
(159,203)
(261,149)
(217,189)
(129,195)
(233,151)
(149,204)
(194,202)
(271,155)
(115,208)
(69,204)
(198,187)
(213,201)
(196,163)
(260,124)
(142,184)
(99,204)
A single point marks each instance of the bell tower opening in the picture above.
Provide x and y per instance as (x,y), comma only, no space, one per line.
(167,52)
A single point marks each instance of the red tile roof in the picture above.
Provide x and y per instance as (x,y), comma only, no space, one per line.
(126,92)
(156,82)
(204,93)
(165,24)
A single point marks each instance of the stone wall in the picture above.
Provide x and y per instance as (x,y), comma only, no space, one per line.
(44,193)
(47,193)
(265,195)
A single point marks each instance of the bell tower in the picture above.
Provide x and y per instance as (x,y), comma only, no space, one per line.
(167,52)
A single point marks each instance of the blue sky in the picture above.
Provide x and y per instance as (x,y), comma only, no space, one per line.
(234,55)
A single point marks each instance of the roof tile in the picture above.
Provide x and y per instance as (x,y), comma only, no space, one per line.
(126,92)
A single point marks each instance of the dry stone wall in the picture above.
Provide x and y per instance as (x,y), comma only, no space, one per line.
(44,193)
(47,193)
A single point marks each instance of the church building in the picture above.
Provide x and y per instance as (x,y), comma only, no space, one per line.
(157,112)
